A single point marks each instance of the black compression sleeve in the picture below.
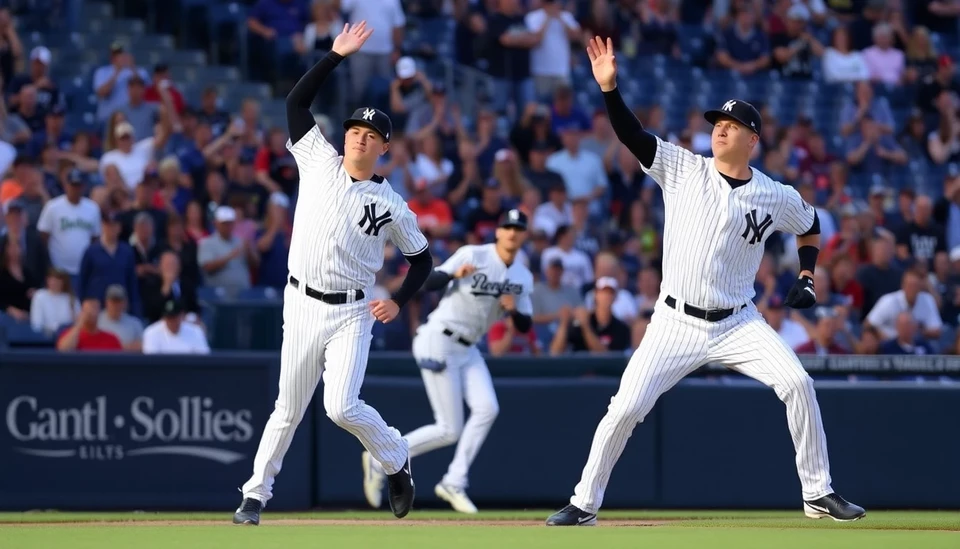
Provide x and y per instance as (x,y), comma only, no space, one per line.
(437,280)
(521,322)
(628,128)
(815,227)
(420,267)
(299,117)
(808,258)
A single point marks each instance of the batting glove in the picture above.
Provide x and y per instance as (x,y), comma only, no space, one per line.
(802,295)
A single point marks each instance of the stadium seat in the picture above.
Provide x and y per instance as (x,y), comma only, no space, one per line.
(260,293)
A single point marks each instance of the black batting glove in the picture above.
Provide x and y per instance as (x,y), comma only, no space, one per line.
(802,295)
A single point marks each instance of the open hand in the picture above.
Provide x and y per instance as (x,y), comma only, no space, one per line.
(384,310)
(603,62)
(352,38)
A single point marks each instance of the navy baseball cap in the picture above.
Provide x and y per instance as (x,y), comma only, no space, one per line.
(372,118)
(741,111)
(514,218)
(76,177)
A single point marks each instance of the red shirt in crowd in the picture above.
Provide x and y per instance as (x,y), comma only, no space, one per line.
(521,344)
(96,341)
(151,95)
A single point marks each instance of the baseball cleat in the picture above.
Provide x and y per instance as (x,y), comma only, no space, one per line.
(456,497)
(373,478)
(402,491)
(248,512)
(835,507)
(572,516)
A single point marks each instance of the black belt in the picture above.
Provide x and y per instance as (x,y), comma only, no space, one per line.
(458,339)
(333,298)
(710,315)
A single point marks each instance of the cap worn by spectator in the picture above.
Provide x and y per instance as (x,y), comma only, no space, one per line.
(607,283)
(76,177)
(117,47)
(110,217)
(41,54)
(160,68)
(172,307)
(798,11)
(124,129)
(502,155)
(514,218)
(878,190)
(280,199)
(14,204)
(955,254)
(116,291)
(555,263)
(406,68)
(225,214)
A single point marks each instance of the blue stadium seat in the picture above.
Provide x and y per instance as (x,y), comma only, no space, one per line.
(23,335)
(208,294)
(260,293)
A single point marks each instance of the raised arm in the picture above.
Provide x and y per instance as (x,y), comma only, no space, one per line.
(299,118)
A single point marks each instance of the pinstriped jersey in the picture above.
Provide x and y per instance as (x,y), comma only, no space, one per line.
(714,234)
(340,226)
(472,304)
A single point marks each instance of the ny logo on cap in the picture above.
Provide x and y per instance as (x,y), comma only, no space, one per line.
(368,114)
(728,106)
(514,215)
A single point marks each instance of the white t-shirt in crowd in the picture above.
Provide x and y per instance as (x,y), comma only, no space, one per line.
(883,316)
(158,339)
(71,228)
(383,15)
(792,333)
(552,56)
(548,217)
(844,67)
(624,305)
(49,311)
(577,267)
(131,165)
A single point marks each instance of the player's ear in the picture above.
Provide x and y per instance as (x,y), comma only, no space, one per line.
(385,149)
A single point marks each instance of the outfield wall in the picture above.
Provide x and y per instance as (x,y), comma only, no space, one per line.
(119,432)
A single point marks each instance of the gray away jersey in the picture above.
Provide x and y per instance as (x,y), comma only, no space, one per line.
(472,304)
(340,226)
(714,235)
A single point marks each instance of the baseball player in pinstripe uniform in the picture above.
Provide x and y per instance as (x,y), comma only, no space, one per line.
(483,283)
(719,212)
(345,214)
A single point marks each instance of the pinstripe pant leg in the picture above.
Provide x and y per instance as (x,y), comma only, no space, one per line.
(346,364)
(674,346)
(754,349)
(301,365)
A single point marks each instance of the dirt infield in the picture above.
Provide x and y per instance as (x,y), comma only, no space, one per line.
(325,522)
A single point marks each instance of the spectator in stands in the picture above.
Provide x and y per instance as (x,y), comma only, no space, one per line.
(273,243)
(210,112)
(434,216)
(946,210)
(273,24)
(84,335)
(244,184)
(507,170)
(551,295)
(566,114)
(743,47)
(822,335)
(131,157)
(177,241)
(142,203)
(862,104)
(430,165)
(841,63)
(115,320)
(53,133)
(54,305)
(796,49)
(317,37)
(550,58)
(648,289)
(577,267)
(842,280)
(68,224)
(48,93)
(933,85)
(940,16)
(244,227)
(17,283)
(16,226)
(885,62)
(226,260)
(169,285)
(145,247)
(175,187)
(906,341)
(137,111)
(109,262)
(597,331)
(275,167)
(880,276)
(775,314)
(910,298)
(556,211)
(482,220)
(943,145)
(14,133)
(869,150)
(922,238)
(28,111)
(409,91)
(509,45)
(533,126)
(377,57)
(921,56)
(195,226)
(110,81)
(624,305)
(163,83)
(171,335)
(582,171)
(504,339)
(536,171)
(944,285)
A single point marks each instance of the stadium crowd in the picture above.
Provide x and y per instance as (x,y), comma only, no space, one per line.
(110,237)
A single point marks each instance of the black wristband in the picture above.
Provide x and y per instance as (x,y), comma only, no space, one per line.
(808,258)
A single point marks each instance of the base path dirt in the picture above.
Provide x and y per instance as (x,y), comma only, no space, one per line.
(328,522)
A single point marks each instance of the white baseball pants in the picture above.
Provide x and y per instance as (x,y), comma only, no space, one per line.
(674,346)
(465,378)
(332,342)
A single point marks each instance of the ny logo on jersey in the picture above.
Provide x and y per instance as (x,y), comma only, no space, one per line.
(372,222)
(368,114)
(757,228)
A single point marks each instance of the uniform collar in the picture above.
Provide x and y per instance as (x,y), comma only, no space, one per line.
(376,179)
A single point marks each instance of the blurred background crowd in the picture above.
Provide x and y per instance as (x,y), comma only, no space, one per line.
(145,175)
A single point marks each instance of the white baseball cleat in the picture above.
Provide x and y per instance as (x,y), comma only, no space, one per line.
(373,479)
(456,497)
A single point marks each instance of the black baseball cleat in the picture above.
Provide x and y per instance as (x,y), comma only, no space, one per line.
(402,491)
(835,507)
(572,516)
(248,512)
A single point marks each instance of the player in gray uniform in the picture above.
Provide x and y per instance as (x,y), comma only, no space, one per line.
(719,211)
(483,283)
(345,215)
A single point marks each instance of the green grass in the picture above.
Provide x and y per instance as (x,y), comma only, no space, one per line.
(437,529)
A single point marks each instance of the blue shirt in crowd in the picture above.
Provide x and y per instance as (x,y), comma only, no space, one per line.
(99,269)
